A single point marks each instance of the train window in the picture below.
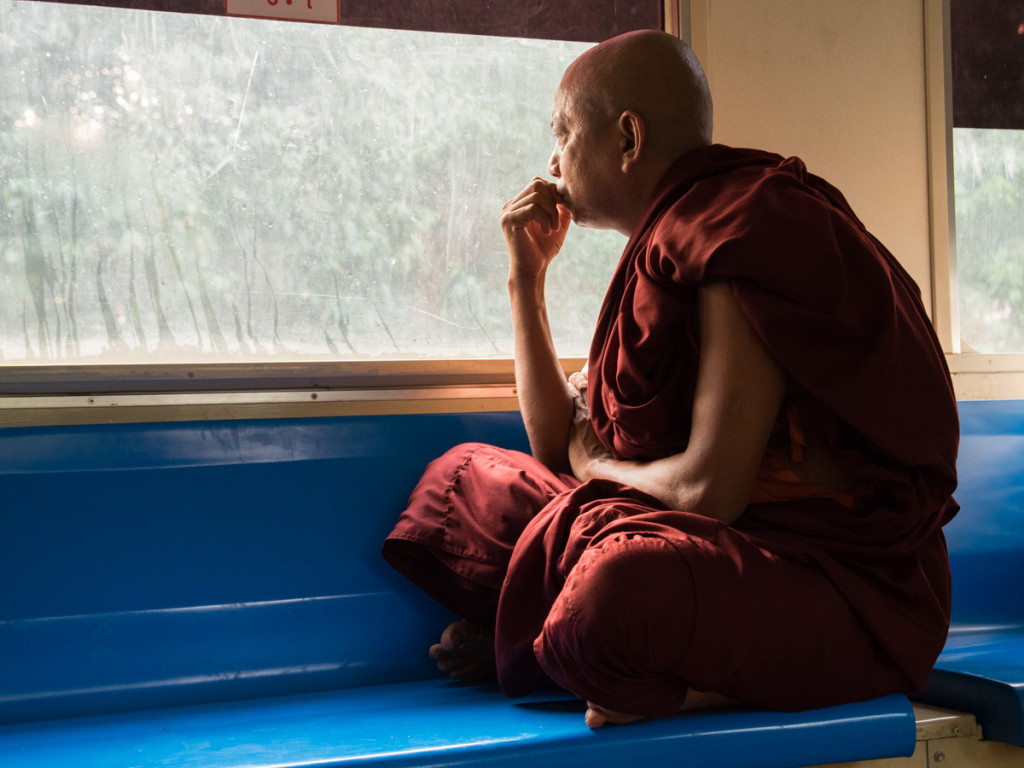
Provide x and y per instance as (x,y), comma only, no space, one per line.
(988,154)
(195,188)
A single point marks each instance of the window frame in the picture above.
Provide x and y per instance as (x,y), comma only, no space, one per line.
(976,376)
(54,394)
(68,395)
(32,395)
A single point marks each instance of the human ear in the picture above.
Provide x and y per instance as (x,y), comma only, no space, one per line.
(632,138)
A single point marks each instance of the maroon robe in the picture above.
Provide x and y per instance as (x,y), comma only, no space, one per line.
(802,602)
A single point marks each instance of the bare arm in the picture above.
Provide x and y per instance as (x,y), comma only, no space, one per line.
(739,393)
(535,226)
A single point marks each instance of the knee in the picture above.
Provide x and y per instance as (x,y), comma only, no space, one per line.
(624,617)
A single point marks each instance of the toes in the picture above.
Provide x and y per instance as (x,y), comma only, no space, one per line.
(459,667)
(597,716)
(594,718)
(453,636)
(460,633)
(464,672)
(465,652)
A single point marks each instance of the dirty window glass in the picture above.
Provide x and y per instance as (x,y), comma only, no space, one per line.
(197,188)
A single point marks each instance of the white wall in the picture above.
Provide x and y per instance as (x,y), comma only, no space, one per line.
(839,83)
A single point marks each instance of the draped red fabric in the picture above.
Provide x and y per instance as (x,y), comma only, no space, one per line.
(834,308)
(804,601)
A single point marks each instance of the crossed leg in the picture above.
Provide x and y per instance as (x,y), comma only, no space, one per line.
(466,652)
(701,606)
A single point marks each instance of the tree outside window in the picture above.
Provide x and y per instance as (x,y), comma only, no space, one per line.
(193,188)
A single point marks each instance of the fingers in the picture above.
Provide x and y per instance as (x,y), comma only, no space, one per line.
(578,380)
(535,223)
(538,203)
(578,392)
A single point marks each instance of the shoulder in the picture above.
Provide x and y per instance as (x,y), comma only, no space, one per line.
(734,212)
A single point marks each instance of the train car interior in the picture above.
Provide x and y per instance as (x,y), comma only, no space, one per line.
(253,281)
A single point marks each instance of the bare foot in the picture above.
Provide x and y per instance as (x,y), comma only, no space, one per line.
(465,652)
(597,715)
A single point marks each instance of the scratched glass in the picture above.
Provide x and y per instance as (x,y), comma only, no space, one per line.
(179,188)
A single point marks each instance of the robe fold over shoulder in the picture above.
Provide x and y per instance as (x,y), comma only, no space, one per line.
(496,536)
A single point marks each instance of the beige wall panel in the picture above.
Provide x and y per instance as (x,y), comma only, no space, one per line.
(842,85)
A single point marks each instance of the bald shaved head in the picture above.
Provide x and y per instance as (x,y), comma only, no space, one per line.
(625,111)
(654,74)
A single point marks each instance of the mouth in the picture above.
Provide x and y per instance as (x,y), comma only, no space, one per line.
(563,198)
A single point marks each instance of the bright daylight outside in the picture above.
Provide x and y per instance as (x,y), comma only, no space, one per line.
(182,188)
(989,184)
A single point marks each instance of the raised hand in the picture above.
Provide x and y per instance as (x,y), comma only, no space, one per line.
(535,224)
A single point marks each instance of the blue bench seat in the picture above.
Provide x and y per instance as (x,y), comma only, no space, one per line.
(438,722)
(212,593)
(981,669)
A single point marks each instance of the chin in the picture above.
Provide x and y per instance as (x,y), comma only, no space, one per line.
(582,220)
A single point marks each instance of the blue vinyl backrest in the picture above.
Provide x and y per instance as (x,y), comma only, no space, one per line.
(986,538)
(113,538)
(141,563)
(143,516)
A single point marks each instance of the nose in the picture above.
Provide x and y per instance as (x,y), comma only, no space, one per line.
(553,168)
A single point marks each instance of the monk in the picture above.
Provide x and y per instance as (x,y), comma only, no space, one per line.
(742,497)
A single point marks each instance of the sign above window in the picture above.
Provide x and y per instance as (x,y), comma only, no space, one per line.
(317,11)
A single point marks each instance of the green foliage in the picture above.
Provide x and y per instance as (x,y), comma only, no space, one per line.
(989,188)
(201,188)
